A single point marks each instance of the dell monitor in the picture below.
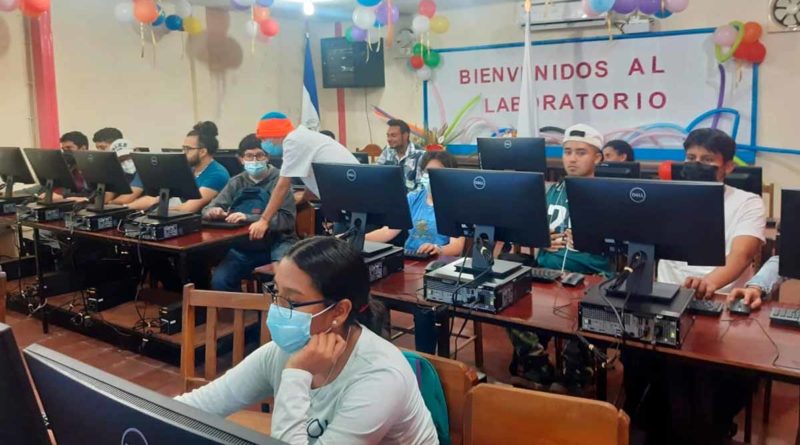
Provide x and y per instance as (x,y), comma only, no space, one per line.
(790,233)
(21,421)
(102,171)
(517,154)
(371,194)
(13,169)
(490,206)
(363,158)
(230,160)
(630,170)
(747,178)
(166,175)
(85,405)
(51,169)
(650,220)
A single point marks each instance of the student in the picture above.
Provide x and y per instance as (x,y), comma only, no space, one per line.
(400,150)
(761,286)
(70,142)
(618,150)
(74,141)
(744,221)
(299,147)
(423,238)
(530,365)
(105,137)
(199,147)
(334,380)
(124,150)
(243,200)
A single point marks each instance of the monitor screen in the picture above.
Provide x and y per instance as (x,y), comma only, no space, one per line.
(351,64)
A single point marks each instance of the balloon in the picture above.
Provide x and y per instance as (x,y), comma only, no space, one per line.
(427,8)
(174,23)
(8,5)
(145,11)
(161,17)
(752,32)
(238,6)
(601,6)
(251,28)
(433,59)
(244,3)
(588,11)
(363,17)
(270,27)
(183,8)
(260,14)
(424,73)
(421,24)
(123,11)
(663,14)
(649,7)
(368,3)
(34,8)
(725,35)
(417,62)
(382,14)
(419,49)
(665,170)
(357,34)
(625,6)
(676,5)
(265,3)
(440,24)
(192,25)
(754,52)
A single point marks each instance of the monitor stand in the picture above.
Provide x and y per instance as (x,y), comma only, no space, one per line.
(45,210)
(9,202)
(382,259)
(163,224)
(98,216)
(640,283)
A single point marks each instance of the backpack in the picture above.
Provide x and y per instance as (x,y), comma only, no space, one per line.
(250,201)
(431,388)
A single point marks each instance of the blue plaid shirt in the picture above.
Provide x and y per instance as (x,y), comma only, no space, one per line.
(410,162)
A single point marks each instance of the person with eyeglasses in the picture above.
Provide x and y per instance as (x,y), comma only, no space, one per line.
(334,379)
(243,200)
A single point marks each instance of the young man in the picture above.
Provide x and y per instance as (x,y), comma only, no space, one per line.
(70,142)
(530,365)
(74,141)
(105,137)
(124,150)
(300,147)
(244,199)
(400,150)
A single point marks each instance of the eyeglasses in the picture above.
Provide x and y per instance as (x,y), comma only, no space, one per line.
(285,306)
(187,148)
(257,157)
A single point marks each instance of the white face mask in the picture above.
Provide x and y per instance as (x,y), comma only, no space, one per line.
(128,166)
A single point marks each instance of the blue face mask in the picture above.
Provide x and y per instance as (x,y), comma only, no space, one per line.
(255,168)
(425,181)
(276,151)
(293,332)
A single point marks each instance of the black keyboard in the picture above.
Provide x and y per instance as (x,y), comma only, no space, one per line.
(414,255)
(705,307)
(786,317)
(542,275)
(223,225)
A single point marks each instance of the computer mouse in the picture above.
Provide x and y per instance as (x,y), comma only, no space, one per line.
(433,265)
(739,308)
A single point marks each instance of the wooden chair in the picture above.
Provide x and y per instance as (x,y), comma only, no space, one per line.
(500,414)
(2,297)
(373,151)
(770,188)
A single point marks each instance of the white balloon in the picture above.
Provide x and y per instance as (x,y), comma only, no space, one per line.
(252,28)
(424,73)
(124,12)
(183,8)
(421,24)
(8,5)
(364,17)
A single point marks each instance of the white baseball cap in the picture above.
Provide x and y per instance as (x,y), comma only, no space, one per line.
(584,133)
(122,147)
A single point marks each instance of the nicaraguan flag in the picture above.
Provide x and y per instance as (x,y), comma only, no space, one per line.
(309,116)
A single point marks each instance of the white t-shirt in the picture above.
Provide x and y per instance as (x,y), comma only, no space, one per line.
(374,400)
(744,216)
(302,147)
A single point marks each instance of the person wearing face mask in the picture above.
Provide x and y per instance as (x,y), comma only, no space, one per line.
(124,150)
(244,200)
(423,238)
(334,379)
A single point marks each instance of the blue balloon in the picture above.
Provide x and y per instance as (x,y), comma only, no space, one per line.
(162,16)
(663,14)
(369,3)
(601,6)
(265,3)
(174,23)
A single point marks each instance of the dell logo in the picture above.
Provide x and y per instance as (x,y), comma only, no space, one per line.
(637,195)
(479,183)
(351,175)
(507,143)
(132,436)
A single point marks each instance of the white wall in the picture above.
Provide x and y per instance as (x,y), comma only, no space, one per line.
(16,108)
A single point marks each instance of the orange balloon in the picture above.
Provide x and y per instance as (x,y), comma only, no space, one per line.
(260,14)
(752,32)
(27,11)
(270,28)
(145,11)
(665,170)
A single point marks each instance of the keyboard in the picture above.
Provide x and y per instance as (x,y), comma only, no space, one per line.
(705,307)
(542,275)
(223,225)
(414,255)
(786,317)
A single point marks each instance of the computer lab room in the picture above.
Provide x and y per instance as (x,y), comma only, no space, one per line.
(402,222)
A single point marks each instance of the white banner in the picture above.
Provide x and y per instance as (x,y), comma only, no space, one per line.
(644,88)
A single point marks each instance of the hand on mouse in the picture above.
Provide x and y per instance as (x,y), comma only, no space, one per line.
(751,296)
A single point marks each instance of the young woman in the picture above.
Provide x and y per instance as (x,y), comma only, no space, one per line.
(618,150)
(423,237)
(334,380)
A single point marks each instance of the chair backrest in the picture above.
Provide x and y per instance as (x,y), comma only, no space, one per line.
(373,151)
(2,297)
(457,380)
(507,415)
(770,188)
(213,301)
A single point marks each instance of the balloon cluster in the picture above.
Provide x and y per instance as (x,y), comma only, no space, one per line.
(740,41)
(30,8)
(657,8)
(262,25)
(424,59)
(148,12)
(368,16)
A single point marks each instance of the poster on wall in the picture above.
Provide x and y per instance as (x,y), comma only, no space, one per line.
(649,89)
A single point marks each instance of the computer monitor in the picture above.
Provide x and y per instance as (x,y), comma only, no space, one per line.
(650,220)
(790,233)
(102,171)
(363,158)
(230,160)
(490,206)
(13,169)
(51,169)
(166,175)
(142,150)
(370,194)
(517,154)
(706,173)
(747,178)
(21,421)
(171,150)
(630,170)
(85,405)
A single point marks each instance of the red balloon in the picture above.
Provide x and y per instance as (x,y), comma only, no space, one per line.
(427,8)
(34,8)
(665,170)
(145,11)
(417,62)
(270,28)
(751,52)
